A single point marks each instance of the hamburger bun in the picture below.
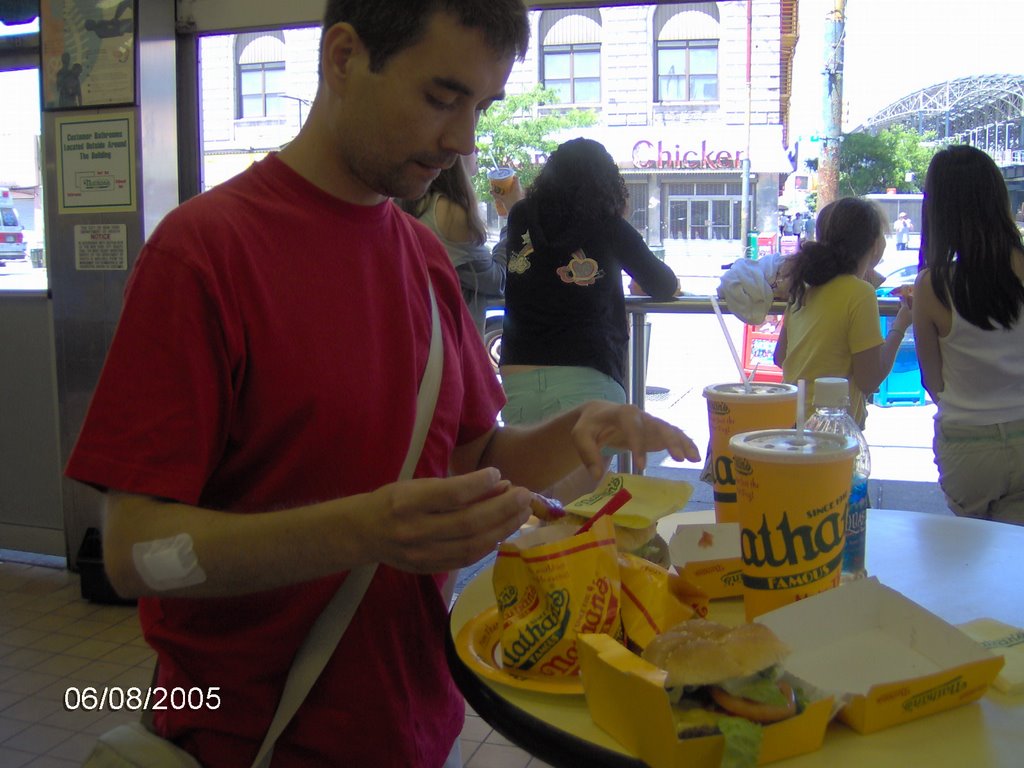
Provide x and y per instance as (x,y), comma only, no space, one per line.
(701,652)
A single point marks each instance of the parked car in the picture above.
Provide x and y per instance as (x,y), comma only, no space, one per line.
(897,279)
(12,234)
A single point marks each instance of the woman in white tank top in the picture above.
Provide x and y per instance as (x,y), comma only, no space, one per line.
(969,331)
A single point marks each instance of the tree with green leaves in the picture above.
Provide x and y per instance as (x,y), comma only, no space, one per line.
(895,157)
(512,132)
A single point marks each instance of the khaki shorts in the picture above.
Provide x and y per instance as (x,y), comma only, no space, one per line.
(981,469)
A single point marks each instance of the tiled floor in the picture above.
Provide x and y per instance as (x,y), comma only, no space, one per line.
(51,640)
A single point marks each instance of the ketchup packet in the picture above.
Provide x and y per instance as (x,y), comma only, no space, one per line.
(551,585)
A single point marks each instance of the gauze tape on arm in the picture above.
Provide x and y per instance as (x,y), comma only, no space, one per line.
(168,563)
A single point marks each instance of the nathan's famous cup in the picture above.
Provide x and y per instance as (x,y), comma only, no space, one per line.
(501,180)
(792,489)
(735,408)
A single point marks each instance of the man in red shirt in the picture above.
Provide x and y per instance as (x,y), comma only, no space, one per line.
(258,400)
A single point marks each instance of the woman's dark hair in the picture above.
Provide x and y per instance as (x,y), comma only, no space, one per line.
(968,237)
(846,230)
(455,184)
(388,26)
(579,188)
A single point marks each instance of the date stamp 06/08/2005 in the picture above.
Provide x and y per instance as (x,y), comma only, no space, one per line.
(135,699)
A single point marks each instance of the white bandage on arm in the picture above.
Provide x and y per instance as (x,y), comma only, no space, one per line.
(168,563)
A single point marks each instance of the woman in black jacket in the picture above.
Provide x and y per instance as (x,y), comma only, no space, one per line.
(565,333)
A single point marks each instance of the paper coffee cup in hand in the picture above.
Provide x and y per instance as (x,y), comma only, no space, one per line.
(501,180)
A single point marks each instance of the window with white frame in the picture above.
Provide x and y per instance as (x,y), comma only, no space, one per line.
(686,52)
(261,74)
(571,55)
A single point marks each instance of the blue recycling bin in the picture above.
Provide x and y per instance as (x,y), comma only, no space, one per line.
(903,384)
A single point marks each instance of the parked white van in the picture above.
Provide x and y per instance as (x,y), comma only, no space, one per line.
(12,234)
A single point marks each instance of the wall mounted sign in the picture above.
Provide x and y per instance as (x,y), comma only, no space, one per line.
(88,53)
(101,247)
(96,163)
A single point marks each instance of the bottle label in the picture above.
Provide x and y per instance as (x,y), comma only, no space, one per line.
(856,528)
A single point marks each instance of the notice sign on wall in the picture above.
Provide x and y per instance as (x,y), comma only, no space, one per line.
(101,247)
(96,164)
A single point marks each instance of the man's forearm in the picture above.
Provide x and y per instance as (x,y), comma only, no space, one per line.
(234,553)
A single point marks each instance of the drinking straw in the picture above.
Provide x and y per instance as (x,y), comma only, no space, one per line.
(800,404)
(732,347)
(614,504)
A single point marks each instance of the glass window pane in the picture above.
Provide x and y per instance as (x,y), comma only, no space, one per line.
(251,81)
(252,106)
(703,88)
(671,61)
(588,90)
(671,88)
(562,90)
(275,80)
(275,105)
(22,259)
(703,61)
(556,66)
(587,64)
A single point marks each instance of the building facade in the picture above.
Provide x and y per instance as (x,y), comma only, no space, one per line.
(689,97)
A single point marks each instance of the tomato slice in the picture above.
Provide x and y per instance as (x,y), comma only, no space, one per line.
(753,710)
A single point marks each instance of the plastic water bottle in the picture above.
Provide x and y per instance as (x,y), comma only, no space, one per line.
(831,414)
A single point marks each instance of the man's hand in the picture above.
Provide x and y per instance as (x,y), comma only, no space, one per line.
(626,427)
(433,525)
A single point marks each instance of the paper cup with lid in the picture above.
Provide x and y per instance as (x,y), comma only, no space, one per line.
(792,489)
(734,408)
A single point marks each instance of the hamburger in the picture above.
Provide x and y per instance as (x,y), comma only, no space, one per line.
(725,680)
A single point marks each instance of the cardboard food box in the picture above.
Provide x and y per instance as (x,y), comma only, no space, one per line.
(891,659)
(709,556)
(613,676)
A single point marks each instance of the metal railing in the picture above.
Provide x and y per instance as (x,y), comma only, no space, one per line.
(639,307)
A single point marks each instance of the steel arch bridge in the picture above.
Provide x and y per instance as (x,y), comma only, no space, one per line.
(985,111)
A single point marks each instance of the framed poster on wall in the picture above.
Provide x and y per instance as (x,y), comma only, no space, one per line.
(88,53)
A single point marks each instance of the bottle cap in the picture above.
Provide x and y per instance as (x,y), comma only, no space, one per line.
(831,392)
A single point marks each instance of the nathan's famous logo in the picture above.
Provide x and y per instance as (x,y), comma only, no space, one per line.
(613,486)
(538,635)
(923,699)
(513,607)
(726,468)
(598,613)
(788,545)
(1007,641)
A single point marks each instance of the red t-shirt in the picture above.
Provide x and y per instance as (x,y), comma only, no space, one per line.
(269,355)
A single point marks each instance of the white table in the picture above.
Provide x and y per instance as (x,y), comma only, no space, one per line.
(958,568)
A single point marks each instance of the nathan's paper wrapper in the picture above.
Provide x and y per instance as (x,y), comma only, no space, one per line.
(654,599)
(552,584)
(792,490)
(501,180)
(651,498)
(1006,641)
(733,409)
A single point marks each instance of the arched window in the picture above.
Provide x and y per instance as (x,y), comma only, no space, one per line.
(571,55)
(686,52)
(260,73)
